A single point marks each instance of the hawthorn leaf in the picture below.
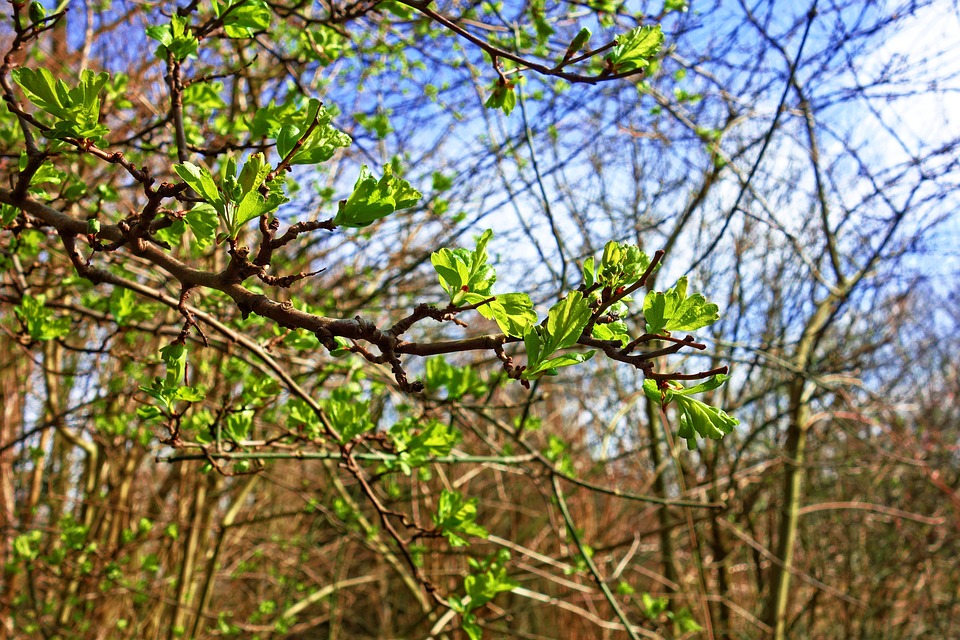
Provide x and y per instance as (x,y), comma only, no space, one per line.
(621,265)
(374,199)
(564,326)
(456,518)
(697,418)
(579,42)
(565,360)
(513,312)
(589,272)
(39,320)
(200,180)
(612,331)
(636,48)
(174,38)
(566,320)
(464,274)
(202,220)
(253,205)
(40,89)
(673,310)
(77,110)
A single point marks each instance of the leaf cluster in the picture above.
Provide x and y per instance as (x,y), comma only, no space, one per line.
(468,279)
(697,418)
(77,109)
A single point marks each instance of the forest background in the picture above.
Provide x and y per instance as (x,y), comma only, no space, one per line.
(251,388)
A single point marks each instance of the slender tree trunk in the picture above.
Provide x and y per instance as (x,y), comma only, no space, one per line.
(794,454)
(718,547)
(660,489)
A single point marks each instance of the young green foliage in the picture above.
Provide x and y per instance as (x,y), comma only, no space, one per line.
(39,320)
(317,147)
(502,97)
(565,323)
(616,330)
(46,174)
(635,49)
(674,310)
(458,381)
(348,414)
(170,390)
(416,444)
(621,265)
(238,200)
(697,418)
(174,38)
(468,279)
(243,18)
(77,110)
(374,199)
(579,42)
(486,579)
(456,518)
(463,271)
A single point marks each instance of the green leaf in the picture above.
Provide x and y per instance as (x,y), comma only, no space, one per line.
(484,587)
(566,320)
(513,312)
(579,42)
(26,546)
(378,124)
(684,621)
(465,275)
(244,17)
(697,418)
(502,97)
(37,12)
(40,89)
(321,144)
(565,323)
(348,414)
(564,360)
(174,38)
(636,49)
(612,331)
(255,169)
(673,310)
(589,273)
(8,213)
(190,394)
(417,444)
(254,205)
(77,110)
(473,630)
(456,518)
(39,321)
(622,265)
(441,182)
(238,425)
(287,139)
(174,355)
(202,220)
(200,180)
(458,381)
(323,44)
(653,607)
(374,199)
(123,305)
